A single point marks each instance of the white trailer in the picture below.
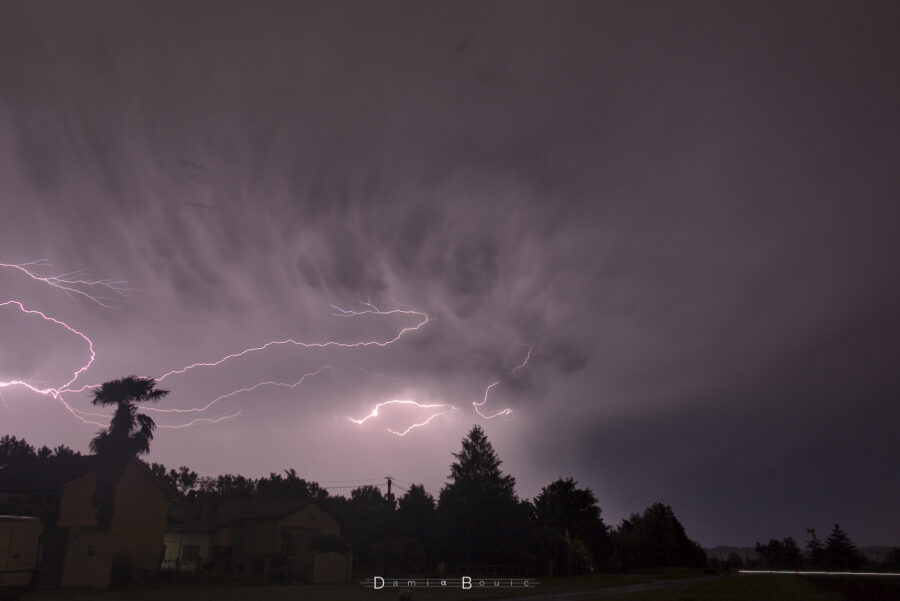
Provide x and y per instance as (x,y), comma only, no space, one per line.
(20,543)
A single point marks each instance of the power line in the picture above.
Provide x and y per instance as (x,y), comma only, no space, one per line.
(414,484)
(377,482)
(354,486)
(353,480)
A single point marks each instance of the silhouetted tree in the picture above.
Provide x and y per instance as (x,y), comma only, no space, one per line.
(128,435)
(782,555)
(574,512)
(892,559)
(290,485)
(792,557)
(183,480)
(815,552)
(366,517)
(228,486)
(481,520)
(734,561)
(186,479)
(159,470)
(417,509)
(12,448)
(655,538)
(840,552)
(417,527)
(64,451)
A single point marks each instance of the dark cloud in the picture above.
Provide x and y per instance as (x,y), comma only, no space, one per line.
(687,211)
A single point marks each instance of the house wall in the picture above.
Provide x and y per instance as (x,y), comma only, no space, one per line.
(332,567)
(226,537)
(311,516)
(223,547)
(257,539)
(76,507)
(88,561)
(139,520)
(251,542)
(297,531)
(175,543)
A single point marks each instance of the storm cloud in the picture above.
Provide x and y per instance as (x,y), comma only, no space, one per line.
(687,211)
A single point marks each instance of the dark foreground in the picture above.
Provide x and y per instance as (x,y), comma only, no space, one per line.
(674,586)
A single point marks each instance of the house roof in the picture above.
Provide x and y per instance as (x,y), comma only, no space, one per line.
(31,474)
(209,515)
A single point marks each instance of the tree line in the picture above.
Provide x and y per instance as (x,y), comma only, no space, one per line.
(835,553)
(476,519)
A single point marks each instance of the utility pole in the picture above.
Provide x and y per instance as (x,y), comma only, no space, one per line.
(387,541)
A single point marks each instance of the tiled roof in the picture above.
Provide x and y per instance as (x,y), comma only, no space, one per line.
(31,474)
(209,515)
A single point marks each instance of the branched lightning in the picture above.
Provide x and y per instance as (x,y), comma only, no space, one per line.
(423,319)
(418,425)
(487,391)
(50,390)
(240,390)
(445,408)
(68,283)
(203,420)
(105,292)
(108,293)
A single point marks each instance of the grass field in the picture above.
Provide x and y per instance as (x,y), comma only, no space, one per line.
(353,591)
(705,588)
(778,588)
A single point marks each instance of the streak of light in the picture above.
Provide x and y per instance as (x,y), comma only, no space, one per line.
(487,391)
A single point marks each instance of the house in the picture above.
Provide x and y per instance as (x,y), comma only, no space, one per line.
(77,552)
(295,537)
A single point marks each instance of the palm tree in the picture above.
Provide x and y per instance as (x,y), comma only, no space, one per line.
(129,435)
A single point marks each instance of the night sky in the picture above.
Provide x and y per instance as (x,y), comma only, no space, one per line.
(686,212)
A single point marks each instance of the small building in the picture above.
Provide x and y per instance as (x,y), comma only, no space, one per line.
(76,551)
(295,538)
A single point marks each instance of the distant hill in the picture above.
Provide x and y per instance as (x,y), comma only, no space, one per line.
(749,553)
(876,553)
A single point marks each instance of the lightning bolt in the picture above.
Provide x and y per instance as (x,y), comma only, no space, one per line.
(104,292)
(374,413)
(73,284)
(418,425)
(202,420)
(76,287)
(50,390)
(80,287)
(422,320)
(487,391)
(240,390)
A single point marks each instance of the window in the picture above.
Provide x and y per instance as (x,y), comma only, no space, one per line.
(190,553)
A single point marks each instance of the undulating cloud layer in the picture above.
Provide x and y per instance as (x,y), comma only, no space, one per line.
(687,214)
